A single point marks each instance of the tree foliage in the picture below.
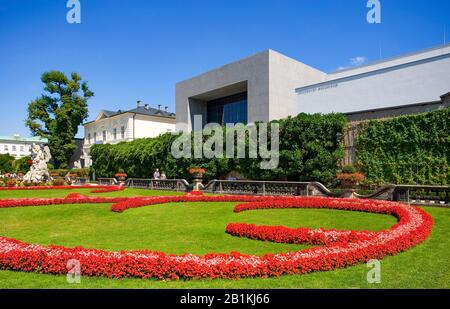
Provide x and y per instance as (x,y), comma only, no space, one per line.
(21,165)
(58,112)
(411,149)
(6,163)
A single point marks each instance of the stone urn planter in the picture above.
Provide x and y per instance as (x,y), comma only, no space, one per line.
(197,177)
(121,177)
(349,182)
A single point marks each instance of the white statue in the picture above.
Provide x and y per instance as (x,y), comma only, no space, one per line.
(38,170)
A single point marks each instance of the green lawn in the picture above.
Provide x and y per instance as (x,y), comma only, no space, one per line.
(199,228)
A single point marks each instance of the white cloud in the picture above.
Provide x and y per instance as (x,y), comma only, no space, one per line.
(354,62)
(358,61)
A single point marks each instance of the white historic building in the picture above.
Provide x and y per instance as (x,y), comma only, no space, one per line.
(112,127)
(18,146)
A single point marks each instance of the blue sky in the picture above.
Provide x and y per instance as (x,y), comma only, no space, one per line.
(139,49)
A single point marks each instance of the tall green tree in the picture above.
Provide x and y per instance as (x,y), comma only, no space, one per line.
(58,112)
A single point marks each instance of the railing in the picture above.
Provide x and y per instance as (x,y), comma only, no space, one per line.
(422,195)
(81,181)
(258,187)
(416,195)
(158,184)
(107,181)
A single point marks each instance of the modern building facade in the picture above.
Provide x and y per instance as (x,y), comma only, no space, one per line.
(257,88)
(420,77)
(112,127)
(269,86)
(18,146)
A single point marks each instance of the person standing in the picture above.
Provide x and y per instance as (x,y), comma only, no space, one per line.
(163,175)
(156,174)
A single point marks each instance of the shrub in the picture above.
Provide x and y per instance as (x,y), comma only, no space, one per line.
(11,183)
(81,172)
(58,182)
(21,165)
(309,150)
(6,163)
(349,169)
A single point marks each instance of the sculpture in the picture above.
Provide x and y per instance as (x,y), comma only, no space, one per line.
(40,156)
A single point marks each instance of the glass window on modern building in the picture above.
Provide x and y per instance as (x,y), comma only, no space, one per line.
(231,109)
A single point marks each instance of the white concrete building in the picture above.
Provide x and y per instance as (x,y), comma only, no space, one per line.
(18,146)
(419,77)
(122,126)
(269,86)
(257,88)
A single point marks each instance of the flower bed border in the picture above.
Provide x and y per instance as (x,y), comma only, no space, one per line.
(95,189)
(340,248)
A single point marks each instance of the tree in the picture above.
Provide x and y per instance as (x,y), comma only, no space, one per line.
(6,163)
(57,114)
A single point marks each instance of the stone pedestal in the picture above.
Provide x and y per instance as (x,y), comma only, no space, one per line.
(197,183)
(349,193)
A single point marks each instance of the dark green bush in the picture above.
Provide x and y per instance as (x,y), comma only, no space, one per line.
(6,163)
(349,169)
(310,149)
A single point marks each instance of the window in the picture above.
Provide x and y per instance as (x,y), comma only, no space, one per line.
(122,132)
(14,148)
(6,148)
(22,148)
(95,137)
(231,109)
(89,138)
(115,133)
(104,136)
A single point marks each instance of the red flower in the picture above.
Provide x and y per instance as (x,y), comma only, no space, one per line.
(95,189)
(337,248)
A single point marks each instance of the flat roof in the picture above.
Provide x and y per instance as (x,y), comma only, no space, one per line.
(409,59)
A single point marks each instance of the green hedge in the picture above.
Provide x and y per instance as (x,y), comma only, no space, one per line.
(411,149)
(309,150)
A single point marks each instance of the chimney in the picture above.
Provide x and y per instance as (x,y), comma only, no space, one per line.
(166,108)
(139,103)
(159,106)
(146,106)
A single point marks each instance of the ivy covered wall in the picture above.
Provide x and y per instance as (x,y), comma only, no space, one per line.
(412,149)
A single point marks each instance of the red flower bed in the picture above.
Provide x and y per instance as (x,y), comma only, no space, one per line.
(338,248)
(95,189)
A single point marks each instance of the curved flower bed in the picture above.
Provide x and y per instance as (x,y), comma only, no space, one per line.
(339,248)
(95,189)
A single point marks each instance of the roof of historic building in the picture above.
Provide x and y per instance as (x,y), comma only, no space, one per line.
(18,138)
(141,110)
